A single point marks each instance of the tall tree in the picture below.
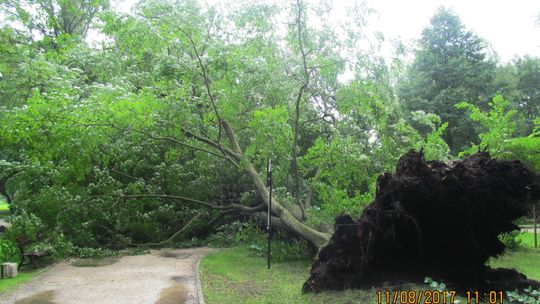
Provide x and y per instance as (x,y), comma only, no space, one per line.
(528,86)
(450,66)
(178,112)
(519,83)
(53,18)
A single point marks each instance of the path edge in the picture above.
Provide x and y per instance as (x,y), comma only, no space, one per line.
(198,281)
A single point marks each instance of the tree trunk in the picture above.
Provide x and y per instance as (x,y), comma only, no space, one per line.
(314,237)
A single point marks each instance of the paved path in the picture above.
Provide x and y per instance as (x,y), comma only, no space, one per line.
(157,277)
(530,229)
(4,223)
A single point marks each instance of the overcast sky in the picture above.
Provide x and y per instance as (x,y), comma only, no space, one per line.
(509,26)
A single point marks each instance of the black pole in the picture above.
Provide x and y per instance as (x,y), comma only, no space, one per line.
(269,222)
(535,231)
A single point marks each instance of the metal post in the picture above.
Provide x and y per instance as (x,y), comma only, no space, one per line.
(269,223)
(535,232)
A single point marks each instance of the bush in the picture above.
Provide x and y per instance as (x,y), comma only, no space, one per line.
(193,242)
(24,224)
(235,234)
(59,245)
(282,249)
(511,239)
(8,251)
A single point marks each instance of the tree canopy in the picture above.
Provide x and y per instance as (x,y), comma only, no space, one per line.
(450,65)
(171,119)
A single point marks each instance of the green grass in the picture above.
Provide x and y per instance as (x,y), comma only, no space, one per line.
(4,208)
(3,205)
(527,239)
(525,259)
(22,277)
(235,276)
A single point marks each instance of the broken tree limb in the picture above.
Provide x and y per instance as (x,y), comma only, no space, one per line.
(172,236)
(314,237)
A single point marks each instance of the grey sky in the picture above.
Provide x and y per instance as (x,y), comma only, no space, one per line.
(509,26)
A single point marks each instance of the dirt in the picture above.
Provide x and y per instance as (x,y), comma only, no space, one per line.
(174,294)
(162,276)
(434,219)
(95,262)
(44,297)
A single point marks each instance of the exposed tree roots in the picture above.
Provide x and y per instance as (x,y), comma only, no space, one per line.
(431,219)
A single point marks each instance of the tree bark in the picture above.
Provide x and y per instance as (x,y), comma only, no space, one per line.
(314,237)
(303,88)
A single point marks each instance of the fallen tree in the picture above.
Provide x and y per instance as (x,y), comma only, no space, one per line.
(431,219)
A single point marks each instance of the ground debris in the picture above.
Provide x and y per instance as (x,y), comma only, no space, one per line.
(431,219)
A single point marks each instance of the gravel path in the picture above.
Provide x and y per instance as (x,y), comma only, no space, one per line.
(158,277)
(4,223)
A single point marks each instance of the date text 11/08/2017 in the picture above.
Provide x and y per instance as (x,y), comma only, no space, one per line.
(437,297)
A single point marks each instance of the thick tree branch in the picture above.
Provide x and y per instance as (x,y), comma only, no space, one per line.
(307,75)
(311,190)
(207,82)
(229,155)
(177,141)
(172,236)
(214,144)
(192,200)
(316,238)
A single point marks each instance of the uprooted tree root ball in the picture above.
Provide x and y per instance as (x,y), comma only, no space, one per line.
(431,219)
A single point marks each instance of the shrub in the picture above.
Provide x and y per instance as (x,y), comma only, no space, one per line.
(235,234)
(282,249)
(8,251)
(24,224)
(511,239)
(527,296)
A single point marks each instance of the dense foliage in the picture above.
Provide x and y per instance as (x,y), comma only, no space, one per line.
(450,65)
(130,140)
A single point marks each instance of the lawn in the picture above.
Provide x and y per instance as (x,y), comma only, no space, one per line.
(6,284)
(3,205)
(527,239)
(4,208)
(236,276)
(525,260)
(22,277)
